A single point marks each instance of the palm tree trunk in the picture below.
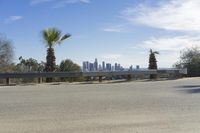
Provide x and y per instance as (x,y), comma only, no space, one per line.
(51,62)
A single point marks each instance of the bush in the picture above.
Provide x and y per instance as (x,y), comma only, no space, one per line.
(69,66)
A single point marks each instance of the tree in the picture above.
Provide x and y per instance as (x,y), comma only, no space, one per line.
(29,65)
(6,54)
(52,36)
(153,62)
(69,66)
(190,59)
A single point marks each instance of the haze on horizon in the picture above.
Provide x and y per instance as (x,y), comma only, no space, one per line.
(120,31)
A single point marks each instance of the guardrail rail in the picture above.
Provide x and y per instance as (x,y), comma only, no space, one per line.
(100,74)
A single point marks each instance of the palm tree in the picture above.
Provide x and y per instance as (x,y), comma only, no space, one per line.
(51,37)
(153,62)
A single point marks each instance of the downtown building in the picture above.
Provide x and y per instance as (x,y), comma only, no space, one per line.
(95,67)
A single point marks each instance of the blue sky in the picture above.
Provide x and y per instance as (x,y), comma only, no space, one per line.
(112,30)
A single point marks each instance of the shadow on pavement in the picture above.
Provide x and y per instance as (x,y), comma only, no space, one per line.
(188,86)
(191,89)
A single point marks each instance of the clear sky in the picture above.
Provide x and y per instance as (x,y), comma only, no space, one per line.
(112,30)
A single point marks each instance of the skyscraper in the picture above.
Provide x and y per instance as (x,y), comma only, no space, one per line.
(108,67)
(96,65)
(91,65)
(137,67)
(131,68)
(116,67)
(103,65)
(84,66)
(87,66)
(100,67)
(119,67)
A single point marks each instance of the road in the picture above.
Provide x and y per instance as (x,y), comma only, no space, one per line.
(171,106)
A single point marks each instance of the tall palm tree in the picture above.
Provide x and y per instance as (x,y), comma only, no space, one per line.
(51,37)
(153,62)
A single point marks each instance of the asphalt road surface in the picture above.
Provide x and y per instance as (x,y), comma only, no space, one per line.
(171,106)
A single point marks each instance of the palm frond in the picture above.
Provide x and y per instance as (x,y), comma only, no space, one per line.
(51,36)
(156,52)
(64,37)
(153,52)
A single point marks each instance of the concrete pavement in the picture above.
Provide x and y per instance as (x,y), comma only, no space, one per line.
(131,107)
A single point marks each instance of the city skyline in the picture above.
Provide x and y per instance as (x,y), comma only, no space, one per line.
(88,66)
(121,32)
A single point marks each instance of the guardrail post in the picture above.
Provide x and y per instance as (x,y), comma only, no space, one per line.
(7,81)
(129,77)
(100,78)
(153,76)
(40,80)
(179,75)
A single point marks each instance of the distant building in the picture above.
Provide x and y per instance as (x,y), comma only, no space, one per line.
(116,67)
(108,67)
(91,65)
(86,66)
(96,65)
(113,68)
(131,68)
(103,66)
(137,67)
(119,67)
(100,67)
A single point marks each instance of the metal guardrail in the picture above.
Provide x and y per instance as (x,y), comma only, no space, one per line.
(40,75)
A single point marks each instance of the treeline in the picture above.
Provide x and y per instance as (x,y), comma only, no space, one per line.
(190,59)
(6,55)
